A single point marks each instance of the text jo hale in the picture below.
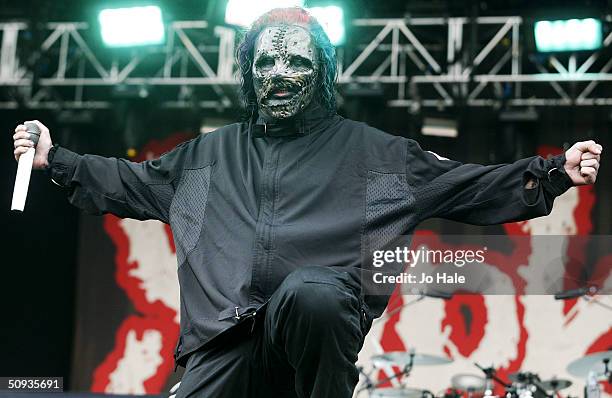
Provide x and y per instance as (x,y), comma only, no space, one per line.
(439,278)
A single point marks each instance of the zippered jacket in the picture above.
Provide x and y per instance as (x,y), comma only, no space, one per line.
(250,202)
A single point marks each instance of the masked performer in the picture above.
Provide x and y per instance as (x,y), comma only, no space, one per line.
(268,217)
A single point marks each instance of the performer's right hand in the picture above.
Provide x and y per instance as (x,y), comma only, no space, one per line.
(22,142)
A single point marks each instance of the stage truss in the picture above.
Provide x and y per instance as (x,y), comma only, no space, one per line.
(419,62)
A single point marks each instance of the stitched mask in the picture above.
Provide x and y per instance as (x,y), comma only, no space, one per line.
(285,69)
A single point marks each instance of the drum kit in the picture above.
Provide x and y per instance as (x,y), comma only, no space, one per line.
(594,368)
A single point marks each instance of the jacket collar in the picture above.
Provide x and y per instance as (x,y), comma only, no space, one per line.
(312,120)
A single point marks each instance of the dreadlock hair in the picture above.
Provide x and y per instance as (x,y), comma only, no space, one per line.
(325,51)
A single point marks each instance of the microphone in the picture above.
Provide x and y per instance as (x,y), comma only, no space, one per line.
(24,169)
(573,293)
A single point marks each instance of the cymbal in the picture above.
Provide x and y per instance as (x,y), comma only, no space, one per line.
(396,393)
(468,382)
(555,384)
(402,358)
(590,363)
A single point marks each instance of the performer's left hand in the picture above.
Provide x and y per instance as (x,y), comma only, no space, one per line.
(582,162)
(174,389)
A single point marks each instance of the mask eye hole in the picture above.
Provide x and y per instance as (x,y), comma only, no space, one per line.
(264,62)
(300,62)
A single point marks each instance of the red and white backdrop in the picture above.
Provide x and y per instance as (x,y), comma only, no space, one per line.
(128,301)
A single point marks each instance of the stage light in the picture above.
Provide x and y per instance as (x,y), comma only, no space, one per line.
(568,35)
(134,26)
(245,12)
(332,20)
(439,127)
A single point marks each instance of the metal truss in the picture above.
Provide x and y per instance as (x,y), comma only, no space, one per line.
(419,62)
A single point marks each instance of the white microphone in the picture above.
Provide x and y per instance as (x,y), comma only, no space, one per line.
(24,169)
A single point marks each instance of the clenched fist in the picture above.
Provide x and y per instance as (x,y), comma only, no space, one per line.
(582,162)
(22,142)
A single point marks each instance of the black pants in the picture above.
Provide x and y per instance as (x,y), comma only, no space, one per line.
(304,345)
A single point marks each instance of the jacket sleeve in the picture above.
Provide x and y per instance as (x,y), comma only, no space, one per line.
(484,195)
(100,185)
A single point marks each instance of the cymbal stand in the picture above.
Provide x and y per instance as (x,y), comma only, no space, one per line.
(490,378)
(404,372)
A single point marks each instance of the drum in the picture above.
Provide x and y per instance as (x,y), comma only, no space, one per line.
(468,386)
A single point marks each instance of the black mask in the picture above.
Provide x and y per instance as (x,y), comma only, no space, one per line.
(285,70)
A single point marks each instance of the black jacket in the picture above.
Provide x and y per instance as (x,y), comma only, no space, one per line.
(246,211)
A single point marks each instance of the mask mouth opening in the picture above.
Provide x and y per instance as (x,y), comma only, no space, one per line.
(284,92)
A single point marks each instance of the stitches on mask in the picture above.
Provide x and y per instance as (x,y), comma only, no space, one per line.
(279,43)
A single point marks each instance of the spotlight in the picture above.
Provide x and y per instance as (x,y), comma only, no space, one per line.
(568,35)
(332,20)
(133,26)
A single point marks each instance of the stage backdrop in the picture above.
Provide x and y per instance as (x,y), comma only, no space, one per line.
(128,302)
